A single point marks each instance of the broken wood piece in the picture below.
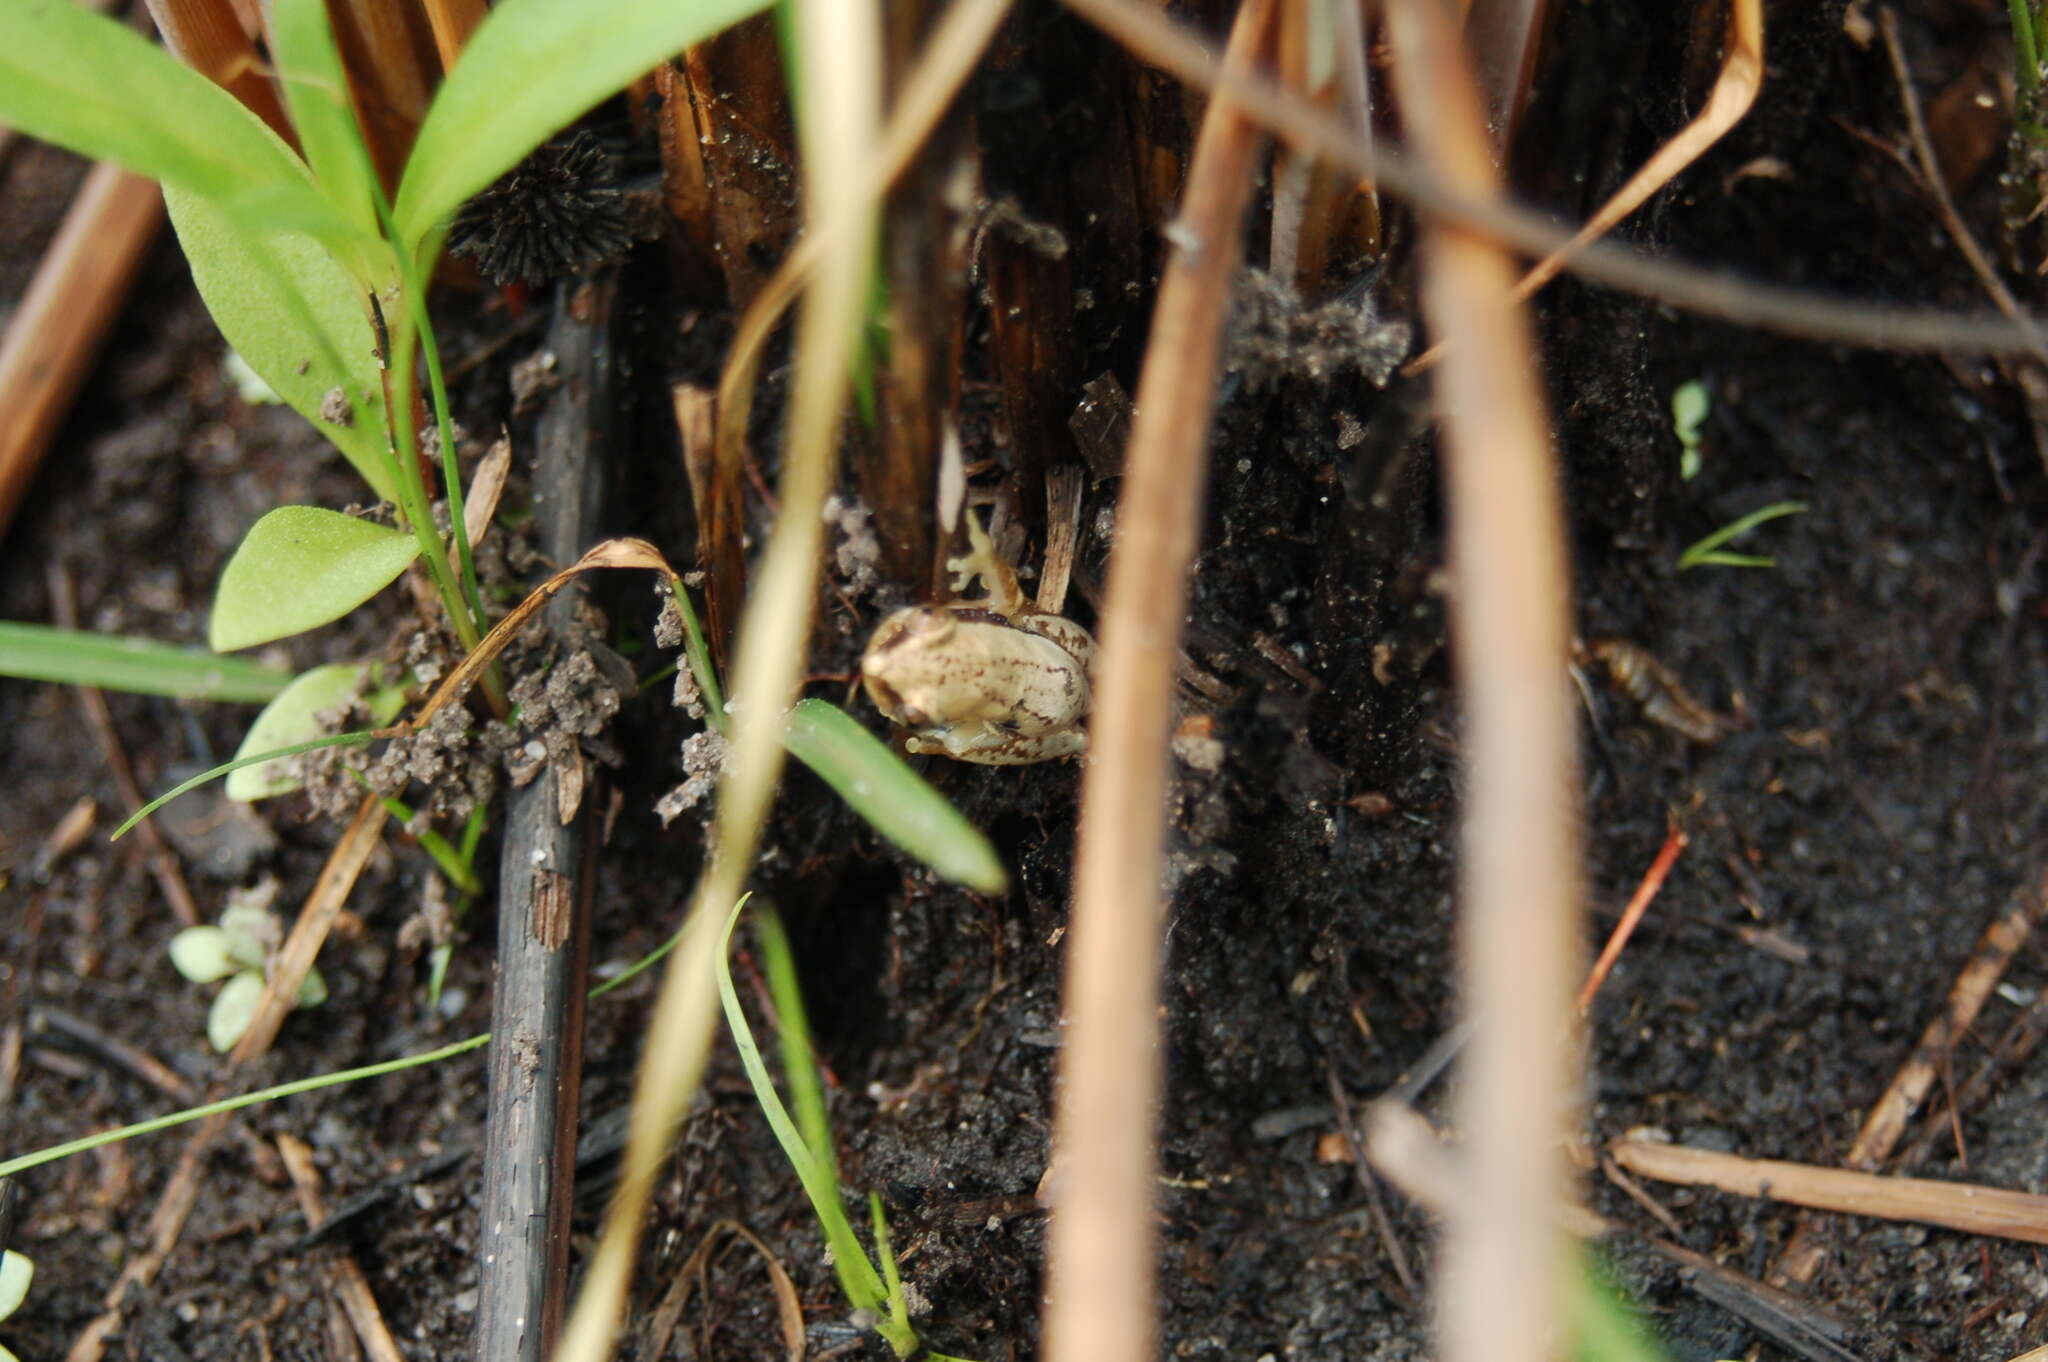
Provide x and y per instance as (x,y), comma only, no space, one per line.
(1949,1205)
(70,306)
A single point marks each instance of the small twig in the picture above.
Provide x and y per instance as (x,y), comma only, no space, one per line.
(1653,880)
(163,862)
(1950,1205)
(1101,1242)
(1376,1204)
(130,1059)
(344,1275)
(2022,1036)
(1886,1121)
(1633,1190)
(1937,189)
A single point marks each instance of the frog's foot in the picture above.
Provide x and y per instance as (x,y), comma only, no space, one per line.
(981,560)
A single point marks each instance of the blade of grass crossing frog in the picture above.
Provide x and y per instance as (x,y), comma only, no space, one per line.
(894,799)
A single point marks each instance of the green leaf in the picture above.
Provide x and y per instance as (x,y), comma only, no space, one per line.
(299,320)
(300,567)
(312,988)
(37,652)
(316,91)
(531,68)
(16,1272)
(204,954)
(881,788)
(96,86)
(233,1008)
(294,716)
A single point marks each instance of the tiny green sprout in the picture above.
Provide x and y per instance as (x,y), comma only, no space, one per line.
(1708,552)
(238,950)
(16,1272)
(1689,403)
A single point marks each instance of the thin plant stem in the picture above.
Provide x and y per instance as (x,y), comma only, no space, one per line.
(298,1085)
(2026,55)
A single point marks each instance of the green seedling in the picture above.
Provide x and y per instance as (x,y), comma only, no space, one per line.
(239,951)
(316,280)
(16,1273)
(1709,553)
(1689,404)
(876,1296)
(1606,1327)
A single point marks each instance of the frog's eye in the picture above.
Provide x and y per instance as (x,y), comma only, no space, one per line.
(930,624)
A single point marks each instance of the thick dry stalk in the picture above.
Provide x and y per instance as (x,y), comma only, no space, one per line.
(452,22)
(1951,1205)
(544,877)
(70,305)
(1792,312)
(1101,1243)
(392,68)
(842,40)
(1502,1290)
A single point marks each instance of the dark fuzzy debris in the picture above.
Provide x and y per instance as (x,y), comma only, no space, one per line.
(558,212)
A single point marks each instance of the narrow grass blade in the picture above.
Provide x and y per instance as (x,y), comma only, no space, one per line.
(1703,552)
(38,652)
(881,788)
(332,740)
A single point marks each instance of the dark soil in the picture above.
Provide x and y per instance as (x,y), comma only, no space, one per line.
(1850,838)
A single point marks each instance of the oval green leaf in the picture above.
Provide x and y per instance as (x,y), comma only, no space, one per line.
(233,1009)
(204,954)
(300,321)
(895,800)
(530,69)
(293,717)
(16,1272)
(299,568)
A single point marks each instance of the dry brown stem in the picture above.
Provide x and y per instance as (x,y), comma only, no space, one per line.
(70,305)
(1502,1289)
(1101,1241)
(1742,75)
(1792,312)
(1951,1205)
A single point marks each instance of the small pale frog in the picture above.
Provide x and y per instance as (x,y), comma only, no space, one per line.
(995,681)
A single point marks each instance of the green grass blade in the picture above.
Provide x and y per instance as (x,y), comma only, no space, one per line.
(1700,552)
(254,758)
(102,1138)
(881,788)
(857,1276)
(38,652)
(799,1064)
(531,68)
